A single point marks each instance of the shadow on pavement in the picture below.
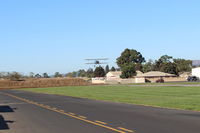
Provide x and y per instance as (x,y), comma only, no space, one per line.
(6,109)
(3,122)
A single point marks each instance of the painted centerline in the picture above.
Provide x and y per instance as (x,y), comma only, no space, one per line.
(70,114)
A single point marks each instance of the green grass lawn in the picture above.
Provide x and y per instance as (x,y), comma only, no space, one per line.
(172,97)
(168,83)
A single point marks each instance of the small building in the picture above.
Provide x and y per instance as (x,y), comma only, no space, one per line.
(196,72)
(153,76)
(139,79)
(98,80)
(113,75)
(139,73)
(114,78)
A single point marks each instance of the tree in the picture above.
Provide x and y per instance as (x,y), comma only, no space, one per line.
(57,74)
(70,75)
(130,61)
(81,73)
(45,75)
(112,69)
(166,59)
(15,76)
(129,56)
(166,64)
(138,67)
(169,67)
(107,69)
(162,60)
(148,66)
(99,72)
(4,75)
(183,65)
(90,73)
(128,71)
(38,76)
(31,75)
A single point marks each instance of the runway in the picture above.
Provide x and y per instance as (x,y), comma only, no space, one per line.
(27,112)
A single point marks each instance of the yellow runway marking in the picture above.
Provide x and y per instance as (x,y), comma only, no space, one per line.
(54,108)
(131,131)
(82,117)
(69,114)
(101,122)
(62,111)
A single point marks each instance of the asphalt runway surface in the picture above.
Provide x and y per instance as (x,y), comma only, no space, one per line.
(26,112)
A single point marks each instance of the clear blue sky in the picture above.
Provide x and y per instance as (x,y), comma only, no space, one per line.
(57,35)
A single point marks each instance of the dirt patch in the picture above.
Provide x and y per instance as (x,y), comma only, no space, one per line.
(37,83)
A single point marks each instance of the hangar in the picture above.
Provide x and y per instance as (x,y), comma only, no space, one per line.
(196,72)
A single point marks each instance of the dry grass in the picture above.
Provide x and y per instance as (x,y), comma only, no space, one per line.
(36,83)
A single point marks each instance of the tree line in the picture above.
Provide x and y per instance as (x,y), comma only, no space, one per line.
(131,61)
(128,62)
(90,73)
(97,72)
